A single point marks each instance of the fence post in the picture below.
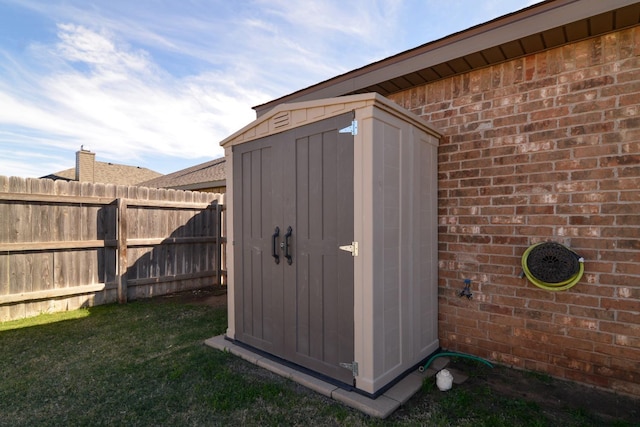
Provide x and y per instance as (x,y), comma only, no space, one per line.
(218,266)
(121,251)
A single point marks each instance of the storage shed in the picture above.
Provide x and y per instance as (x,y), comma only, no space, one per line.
(332,216)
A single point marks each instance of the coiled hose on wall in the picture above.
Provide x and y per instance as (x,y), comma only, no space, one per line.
(552,266)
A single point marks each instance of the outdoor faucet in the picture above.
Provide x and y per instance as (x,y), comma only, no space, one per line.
(466,292)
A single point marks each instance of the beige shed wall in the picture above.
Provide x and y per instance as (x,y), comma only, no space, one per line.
(395,224)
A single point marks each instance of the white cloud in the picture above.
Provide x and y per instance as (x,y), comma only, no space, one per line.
(96,86)
(124,104)
(134,80)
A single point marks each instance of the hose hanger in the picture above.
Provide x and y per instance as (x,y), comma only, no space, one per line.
(552,266)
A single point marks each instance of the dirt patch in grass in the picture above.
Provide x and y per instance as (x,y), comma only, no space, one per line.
(560,402)
(556,396)
(213,296)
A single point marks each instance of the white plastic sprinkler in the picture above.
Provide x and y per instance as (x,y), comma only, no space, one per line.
(444,380)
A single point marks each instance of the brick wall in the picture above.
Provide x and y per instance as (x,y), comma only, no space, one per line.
(546,147)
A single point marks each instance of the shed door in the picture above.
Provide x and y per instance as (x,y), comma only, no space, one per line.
(303,311)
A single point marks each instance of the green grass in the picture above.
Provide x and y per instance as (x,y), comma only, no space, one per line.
(142,364)
(145,364)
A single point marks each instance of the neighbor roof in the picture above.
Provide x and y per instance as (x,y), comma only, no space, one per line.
(543,26)
(208,174)
(110,173)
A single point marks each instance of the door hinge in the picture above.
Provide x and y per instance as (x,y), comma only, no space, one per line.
(353,367)
(352,129)
(353,248)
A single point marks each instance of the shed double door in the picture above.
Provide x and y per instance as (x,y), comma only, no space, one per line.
(293,209)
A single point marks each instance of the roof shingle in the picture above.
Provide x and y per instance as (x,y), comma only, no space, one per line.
(111,173)
(211,173)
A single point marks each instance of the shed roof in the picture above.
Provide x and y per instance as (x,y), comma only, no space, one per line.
(546,25)
(287,116)
(207,174)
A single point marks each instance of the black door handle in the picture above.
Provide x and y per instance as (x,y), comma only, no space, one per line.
(274,247)
(287,255)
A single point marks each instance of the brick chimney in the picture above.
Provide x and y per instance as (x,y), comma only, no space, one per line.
(85,165)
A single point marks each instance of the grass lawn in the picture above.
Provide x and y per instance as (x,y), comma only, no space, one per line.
(145,364)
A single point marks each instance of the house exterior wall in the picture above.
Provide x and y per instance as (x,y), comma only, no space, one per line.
(545,147)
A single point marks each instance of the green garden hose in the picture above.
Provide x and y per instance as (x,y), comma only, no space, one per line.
(467,356)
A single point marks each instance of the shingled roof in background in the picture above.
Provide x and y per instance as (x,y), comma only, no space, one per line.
(210,174)
(89,170)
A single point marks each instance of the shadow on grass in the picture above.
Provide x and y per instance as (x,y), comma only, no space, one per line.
(145,364)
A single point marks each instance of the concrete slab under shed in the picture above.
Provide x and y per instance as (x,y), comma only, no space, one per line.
(381,407)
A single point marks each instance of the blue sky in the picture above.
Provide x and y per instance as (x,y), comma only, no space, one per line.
(159,83)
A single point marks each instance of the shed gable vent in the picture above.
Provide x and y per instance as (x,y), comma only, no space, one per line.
(281,120)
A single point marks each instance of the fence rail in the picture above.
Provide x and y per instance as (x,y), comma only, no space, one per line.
(65,245)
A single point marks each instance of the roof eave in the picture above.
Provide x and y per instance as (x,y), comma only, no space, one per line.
(510,36)
(200,185)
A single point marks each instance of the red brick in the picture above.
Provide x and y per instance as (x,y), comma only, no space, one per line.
(621,184)
(576,164)
(550,197)
(535,210)
(549,177)
(621,89)
(577,98)
(509,240)
(591,282)
(598,128)
(621,304)
(533,314)
(590,220)
(547,135)
(534,231)
(592,174)
(570,342)
(502,113)
(580,186)
(465,156)
(578,141)
(591,83)
(629,172)
(503,131)
(577,119)
(617,351)
(632,99)
(548,306)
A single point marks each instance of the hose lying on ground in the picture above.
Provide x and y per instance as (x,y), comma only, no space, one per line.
(467,356)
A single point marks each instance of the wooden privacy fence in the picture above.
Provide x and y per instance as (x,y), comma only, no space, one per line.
(65,245)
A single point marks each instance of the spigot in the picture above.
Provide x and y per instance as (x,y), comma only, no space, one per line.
(466,292)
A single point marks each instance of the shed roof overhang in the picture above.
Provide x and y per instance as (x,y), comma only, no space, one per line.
(286,116)
(543,26)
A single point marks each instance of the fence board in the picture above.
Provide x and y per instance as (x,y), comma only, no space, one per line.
(68,244)
(51,293)
(122,262)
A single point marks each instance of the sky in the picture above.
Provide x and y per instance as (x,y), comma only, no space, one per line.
(159,83)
